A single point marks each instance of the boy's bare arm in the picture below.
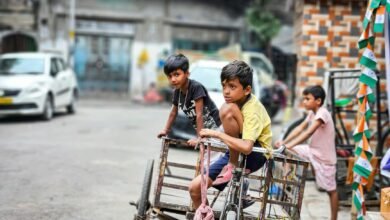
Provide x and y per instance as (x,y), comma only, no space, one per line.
(296,131)
(243,146)
(304,135)
(199,115)
(199,120)
(171,118)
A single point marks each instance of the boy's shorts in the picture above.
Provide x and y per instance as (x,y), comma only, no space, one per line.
(254,162)
(325,173)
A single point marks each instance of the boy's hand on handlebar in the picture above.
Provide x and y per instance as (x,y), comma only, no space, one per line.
(278,143)
(162,133)
(193,142)
(208,133)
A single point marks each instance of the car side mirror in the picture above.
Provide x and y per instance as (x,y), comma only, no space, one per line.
(53,74)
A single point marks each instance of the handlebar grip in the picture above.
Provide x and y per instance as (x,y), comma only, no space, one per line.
(280,150)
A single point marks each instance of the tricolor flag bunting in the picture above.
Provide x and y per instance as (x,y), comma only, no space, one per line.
(363,146)
(365,91)
(362,166)
(366,110)
(358,199)
(361,129)
(368,59)
(379,19)
(388,6)
(367,17)
(368,77)
(357,179)
(374,4)
(360,215)
(367,37)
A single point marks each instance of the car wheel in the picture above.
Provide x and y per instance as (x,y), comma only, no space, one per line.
(71,108)
(48,110)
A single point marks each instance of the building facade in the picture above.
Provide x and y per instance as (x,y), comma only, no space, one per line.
(119,45)
(19,25)
(326,35)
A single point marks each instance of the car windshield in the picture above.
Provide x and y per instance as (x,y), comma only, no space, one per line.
(18,66)
(209,77)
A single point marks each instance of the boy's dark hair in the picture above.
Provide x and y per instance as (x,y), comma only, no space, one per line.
(240,70)
(316,91)
(174,62)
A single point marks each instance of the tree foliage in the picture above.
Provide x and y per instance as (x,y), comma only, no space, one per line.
(262,22)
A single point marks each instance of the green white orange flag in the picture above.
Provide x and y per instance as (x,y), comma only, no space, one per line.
(361,129)
(379,19)
(357,179)
(363,146)
(365,109)
(388,6)
(366,38)
(360,215)
(365,91)
(374,4)
(367,17)
(362,166)
(358,198)
(368,77)
(368,59)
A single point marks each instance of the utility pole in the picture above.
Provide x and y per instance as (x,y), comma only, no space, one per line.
(72,8)
(35,9)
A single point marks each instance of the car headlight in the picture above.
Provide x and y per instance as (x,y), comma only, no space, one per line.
(35,88)
(32,90)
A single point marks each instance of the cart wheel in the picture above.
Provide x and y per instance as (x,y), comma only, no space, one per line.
(143,203)
(231,215)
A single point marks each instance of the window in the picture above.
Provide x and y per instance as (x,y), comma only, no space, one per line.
(15,66)
(258,63)
(53,66)
(211,46)
(60,64)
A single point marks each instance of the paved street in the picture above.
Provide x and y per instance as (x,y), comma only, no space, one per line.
(90,165)
(86,166)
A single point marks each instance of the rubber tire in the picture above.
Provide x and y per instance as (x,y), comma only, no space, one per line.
(143,202)
(48,110)
(231,215)
(71,108)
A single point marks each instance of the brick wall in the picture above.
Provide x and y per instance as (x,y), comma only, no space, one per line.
(327,34)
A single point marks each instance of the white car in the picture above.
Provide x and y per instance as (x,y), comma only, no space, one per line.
(36,84)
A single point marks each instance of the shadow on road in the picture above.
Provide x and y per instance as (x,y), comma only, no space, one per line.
(16,119)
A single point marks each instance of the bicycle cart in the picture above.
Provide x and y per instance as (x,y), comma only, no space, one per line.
(277,188)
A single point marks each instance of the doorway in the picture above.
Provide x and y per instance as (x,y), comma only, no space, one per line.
(102,63)
(18,43)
